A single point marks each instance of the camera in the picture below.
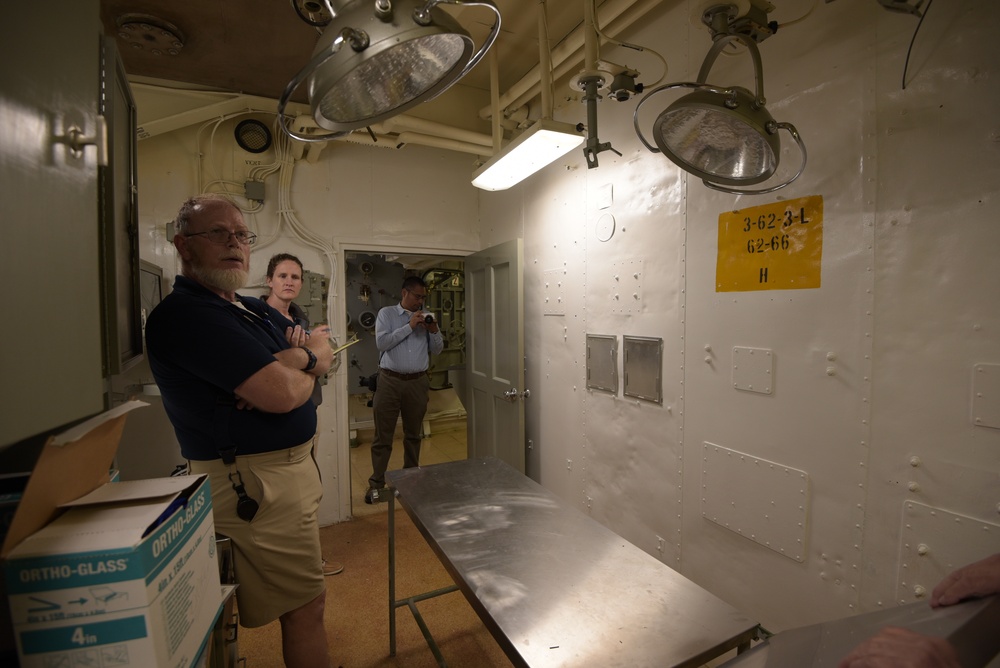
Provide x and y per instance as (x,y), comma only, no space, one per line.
(428,318)
(371,382)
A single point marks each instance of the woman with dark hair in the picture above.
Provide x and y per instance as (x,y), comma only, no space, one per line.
(284,278)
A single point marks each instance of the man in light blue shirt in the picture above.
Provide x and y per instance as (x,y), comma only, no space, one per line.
(406,336)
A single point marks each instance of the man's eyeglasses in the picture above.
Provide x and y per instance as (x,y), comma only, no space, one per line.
(418,295)
(221,236)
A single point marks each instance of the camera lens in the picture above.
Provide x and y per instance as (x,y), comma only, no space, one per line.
(428,319)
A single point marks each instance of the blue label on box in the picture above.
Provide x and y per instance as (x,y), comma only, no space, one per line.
(78,636)
(83,569)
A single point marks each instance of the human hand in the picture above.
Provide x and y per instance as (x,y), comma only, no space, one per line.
(296,336)
(981,578)
(894,647)
(242,404)
(320,346)
(320,331)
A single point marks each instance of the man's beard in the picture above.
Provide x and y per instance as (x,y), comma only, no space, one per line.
(226,280)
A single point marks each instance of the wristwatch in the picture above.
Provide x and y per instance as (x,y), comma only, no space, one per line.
(312,360)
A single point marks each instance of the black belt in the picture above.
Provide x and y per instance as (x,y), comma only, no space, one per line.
(402,376)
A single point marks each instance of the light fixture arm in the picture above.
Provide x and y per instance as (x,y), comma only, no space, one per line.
(358,40)
(422,14)
(721,43)
(772,128)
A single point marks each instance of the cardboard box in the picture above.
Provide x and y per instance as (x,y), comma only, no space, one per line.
(121,574)
(11,488)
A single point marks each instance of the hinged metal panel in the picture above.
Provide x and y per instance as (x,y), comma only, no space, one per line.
(643,368)
(602,363)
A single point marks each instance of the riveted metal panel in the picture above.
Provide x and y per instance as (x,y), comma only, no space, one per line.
(626,293)
(554,300)
(762,500)
(753,369)
(934,542)
(986,395)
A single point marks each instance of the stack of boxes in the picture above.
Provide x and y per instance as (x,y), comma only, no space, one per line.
(110,574)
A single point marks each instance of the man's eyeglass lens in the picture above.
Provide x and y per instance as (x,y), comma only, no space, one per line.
(221,236)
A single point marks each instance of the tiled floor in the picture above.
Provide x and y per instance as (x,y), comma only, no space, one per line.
(446,443)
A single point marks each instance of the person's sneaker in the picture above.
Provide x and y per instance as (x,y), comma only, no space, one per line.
(332,567)
(375,495)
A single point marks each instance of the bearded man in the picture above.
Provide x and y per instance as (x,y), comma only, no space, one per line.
(237,394)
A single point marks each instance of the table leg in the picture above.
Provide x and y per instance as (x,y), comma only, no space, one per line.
(392,574)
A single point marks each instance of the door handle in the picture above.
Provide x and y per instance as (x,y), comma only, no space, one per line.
(512,394)
(76,140)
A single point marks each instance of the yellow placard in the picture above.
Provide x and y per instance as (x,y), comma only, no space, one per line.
(771,247)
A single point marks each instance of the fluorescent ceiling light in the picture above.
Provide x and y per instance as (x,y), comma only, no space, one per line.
(536,147)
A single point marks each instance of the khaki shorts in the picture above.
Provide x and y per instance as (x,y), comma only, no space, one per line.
(277,556)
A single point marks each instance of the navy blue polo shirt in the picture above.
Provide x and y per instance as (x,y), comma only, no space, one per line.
(201,348)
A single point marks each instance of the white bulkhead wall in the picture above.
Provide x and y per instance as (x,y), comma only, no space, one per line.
(862,477)
(415,201)
(866,447)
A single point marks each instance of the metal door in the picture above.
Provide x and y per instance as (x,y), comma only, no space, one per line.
(494,344)
(49,257)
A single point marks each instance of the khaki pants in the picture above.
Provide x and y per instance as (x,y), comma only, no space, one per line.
(395,397)
(276,557)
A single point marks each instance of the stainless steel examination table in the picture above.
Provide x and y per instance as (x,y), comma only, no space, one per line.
(553,586)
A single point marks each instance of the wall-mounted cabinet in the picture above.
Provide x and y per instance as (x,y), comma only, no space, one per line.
(52,366)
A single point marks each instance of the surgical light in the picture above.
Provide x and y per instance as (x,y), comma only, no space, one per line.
(378,58)
(724,136)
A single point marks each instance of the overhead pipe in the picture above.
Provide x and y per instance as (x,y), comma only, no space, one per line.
(405,123)
(394,135)
(615,17)
(214,108)
(419,130)
(544,61)
(495,116)
(440,142)
(462,140)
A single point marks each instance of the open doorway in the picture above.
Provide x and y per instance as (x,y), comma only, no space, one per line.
(372,281)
